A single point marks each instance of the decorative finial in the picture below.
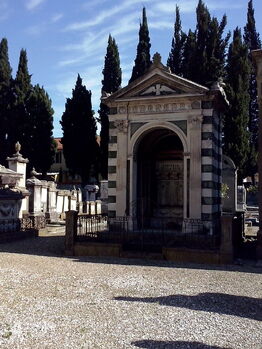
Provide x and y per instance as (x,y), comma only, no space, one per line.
(33,173)
(17,148)
(157,59)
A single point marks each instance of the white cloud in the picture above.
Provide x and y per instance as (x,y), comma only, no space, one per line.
(92,3)
(4,10)
(37,29)
(188,6)
(32,4)
(57,17)
(161,25)
(102,16)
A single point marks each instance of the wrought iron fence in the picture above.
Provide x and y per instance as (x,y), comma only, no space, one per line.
(32,222)
(147,233)
(23,224)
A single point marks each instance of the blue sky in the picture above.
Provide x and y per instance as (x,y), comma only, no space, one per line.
(67,37)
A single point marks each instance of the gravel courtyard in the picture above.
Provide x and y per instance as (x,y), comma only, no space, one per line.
(50,301)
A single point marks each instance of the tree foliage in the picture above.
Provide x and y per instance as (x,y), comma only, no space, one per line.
(209,49)
(252,41)
(112,77)
(142,61)
(188,64)
(21,118)
(236,135)
(41,136)
(5,100)
(204,48)
(26,114)
(175,57)
(80,146)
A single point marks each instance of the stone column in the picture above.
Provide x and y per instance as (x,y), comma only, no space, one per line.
(122,126)
(44,197)
(51,213)
(18,164)
(34,186)
(91,191)
(257,57)
(195,167)
(71,232)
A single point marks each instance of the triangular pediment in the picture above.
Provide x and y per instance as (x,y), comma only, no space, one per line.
(160,90)
(157,82)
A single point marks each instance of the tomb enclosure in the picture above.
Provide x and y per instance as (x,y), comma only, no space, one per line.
(165,151)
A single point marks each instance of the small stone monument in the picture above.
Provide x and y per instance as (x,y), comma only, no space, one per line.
(34,186)
(18,164)
(91,190)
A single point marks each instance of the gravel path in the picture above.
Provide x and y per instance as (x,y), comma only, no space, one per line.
(49,301)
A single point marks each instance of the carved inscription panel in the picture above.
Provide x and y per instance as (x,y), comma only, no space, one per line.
(169,177)
(155,108)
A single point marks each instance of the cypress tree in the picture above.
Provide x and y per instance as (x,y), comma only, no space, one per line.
(216,50)
(41,117)
(80,147)
(142,61)
(236,135)
(5,101)
(252,41)
(206,48)
(22,131)
(188,64)
(202,28)
(174,61)
(111,82)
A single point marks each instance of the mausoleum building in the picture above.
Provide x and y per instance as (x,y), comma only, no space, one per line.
(165,151)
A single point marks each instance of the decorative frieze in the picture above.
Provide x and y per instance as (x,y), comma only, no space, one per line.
(195,120)
(155,108)
(121,125)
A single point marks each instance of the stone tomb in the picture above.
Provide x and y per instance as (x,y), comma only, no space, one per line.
(165,148)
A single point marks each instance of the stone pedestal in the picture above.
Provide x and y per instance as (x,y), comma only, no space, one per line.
(10,208)
(98,207)
(91,190)
(51,213)
(92,208)
(73,203)
(44,197)
(34,186)
(18,164)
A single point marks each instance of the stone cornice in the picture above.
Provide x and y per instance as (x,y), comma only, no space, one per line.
(156,108)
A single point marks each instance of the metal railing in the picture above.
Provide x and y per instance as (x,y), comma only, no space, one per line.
(23,224)
(147,233)
(33,222)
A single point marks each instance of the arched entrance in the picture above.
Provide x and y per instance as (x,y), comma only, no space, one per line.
(160,177)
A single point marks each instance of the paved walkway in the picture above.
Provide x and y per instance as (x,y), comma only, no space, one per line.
(49,301)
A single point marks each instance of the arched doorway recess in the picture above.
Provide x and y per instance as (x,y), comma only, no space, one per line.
(160,177)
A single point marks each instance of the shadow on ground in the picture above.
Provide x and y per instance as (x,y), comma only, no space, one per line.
(53,245)
(151,344)
(220,303)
